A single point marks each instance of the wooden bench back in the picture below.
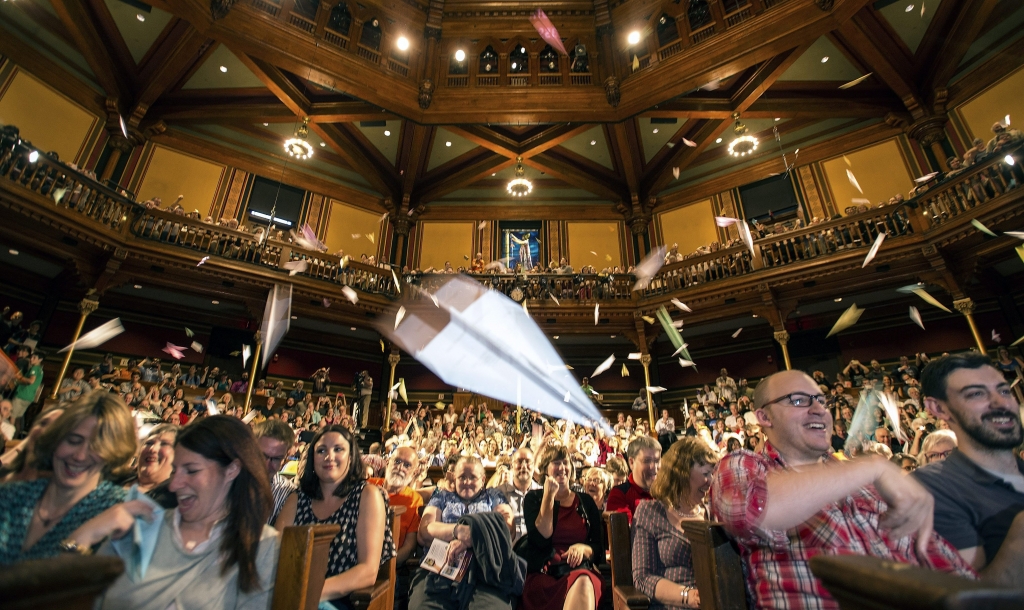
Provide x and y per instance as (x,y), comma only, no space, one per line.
(302,566)
(716,566)
(381,596)
(858,582)
(65,582)
(624,595)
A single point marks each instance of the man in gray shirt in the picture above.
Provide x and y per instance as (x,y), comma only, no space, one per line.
(522,482)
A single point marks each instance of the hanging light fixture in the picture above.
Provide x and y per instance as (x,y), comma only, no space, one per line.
(743,144)
(298,147)
(519,186)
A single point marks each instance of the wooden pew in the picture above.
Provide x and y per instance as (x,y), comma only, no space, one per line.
(302,566)
(716,566)
(381,596)
(65,582)
(858,582)
(624,595)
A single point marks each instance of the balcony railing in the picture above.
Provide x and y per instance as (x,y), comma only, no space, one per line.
(107,209)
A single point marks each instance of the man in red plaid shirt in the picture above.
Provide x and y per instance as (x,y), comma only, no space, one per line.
(793,501)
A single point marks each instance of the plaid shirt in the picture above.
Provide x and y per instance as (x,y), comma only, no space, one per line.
(776,563)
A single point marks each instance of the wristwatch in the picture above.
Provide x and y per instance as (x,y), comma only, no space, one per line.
(70,546)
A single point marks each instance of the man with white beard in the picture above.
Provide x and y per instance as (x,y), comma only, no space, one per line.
(398,474)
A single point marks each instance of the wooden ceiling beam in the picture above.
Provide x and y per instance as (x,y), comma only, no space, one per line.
(413,154)
(964,30)
(362,157)
(627,149)
(553,164)
(263,109)
(871,42)
(170,63)
(279,84)
(86,35)
(483,164)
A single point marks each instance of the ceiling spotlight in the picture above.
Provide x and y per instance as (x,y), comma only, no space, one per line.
(633,38)
(12,252)
(522,49)
(448,144)
(215,302)
(593,142)
(140,16)
(138,286)
(33,156)
(322,144)
(295,317)
(387,133)
(743,144)
(838,299)
(266,124)
(223,68)
(494,173)
(824,59)
(513,65)
(655,130)
(352,328)
(718,141)
(777,119)
(403,43)
(909,8)
(460,55)
(298,147)
(555,337)
(519,186)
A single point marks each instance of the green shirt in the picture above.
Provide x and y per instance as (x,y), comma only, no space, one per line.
(28,391)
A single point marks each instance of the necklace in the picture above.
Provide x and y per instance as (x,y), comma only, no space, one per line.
(52,518)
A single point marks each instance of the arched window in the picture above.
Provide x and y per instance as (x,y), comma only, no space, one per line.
(698,14)
(307,8)
(340,20)
(548,60)
(731,6)
(580,60)
(371,35)
(489,61)
(518,61)
(667,30)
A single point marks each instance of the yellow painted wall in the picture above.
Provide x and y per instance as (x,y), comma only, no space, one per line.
(1003,98)
(599,237)
(445,241)
(690,226)
(344,221)
(46,118)
(170,173)
(880,170)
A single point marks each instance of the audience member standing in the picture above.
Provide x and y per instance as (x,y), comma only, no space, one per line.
(28,388)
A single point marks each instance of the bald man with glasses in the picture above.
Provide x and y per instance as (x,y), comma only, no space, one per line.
(794,500)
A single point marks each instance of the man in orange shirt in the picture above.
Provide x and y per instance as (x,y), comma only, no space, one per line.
(397,476)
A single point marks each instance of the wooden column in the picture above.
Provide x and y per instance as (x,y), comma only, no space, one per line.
(645,359)
(783,338)
(85,307)
(966,307)
(393,359)
(253,370)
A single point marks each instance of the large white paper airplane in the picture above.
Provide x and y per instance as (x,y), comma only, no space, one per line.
(277,319)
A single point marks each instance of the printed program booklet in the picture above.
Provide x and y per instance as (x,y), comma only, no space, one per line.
(436,561)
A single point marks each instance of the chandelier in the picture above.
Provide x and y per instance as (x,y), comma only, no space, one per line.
(519,186)
(298,147)
(743,144)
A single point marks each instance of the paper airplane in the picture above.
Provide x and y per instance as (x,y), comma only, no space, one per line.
(1017,342)
(926,178)
(853,181)
(382,346)
(689,143)
(350,294)
(1020,252)
(893,413)
(725,221)
(189,333)
(58,194)
(1015,382)
(681,305)
(921,292)
(306,238)
(482,225)
(848,319)
(855,81)
(687,363)
(874,250)
(996,336)
(604,366)
(480,340)
(675,173)
(203,260)
(369,236)
(344,262)
(97,336)
(197,347)
(648,268)
(356,235)
(594,253)
(246,354)
(915,315)
(922,10)
(847,161)
(398,285)
(401,314)
(547,31)
(1006,120)
(277,319)
(737,333)
(525,310)
(678,324)
(680,349)
(977,225)
(597,310)
(251,415)
(296,266)
(557,304)
(634,356)
(235,353)
(402,391)
(636,63)
(860,201)
(647,319)
(175,351)
(625,371)
(1017,234)
(326,302)
(673,334)
(654,389)
(746,236)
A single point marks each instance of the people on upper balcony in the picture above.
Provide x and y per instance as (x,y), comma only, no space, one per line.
(1004,137)
(976,153)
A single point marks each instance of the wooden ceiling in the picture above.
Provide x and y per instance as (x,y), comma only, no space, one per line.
(233,88)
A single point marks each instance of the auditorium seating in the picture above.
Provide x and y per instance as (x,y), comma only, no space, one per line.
(66,582)
(624,595)
(381,596)
(869,583)
(302,566)
(716,566)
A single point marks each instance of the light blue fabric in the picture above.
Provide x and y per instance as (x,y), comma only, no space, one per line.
(137,550)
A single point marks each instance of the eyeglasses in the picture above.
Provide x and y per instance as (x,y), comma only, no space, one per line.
(274,460)
(801,400)
(402,463)
(938,455)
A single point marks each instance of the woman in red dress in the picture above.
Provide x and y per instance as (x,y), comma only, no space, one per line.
(564,540)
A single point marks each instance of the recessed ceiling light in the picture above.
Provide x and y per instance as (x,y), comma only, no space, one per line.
(556,336)
(755,315)
(215,302)
(322,144)
(403,43)
(613,336)
(838,300)
(13,252)
(295,317)
(718,141)
(909,8)
(634,37)
(266,124)
(448,144)
(223,68)
(593,142)
(777,119)
(460,55)
(824,59)
(522,49)
(352,328)
(140,16)
(655,130)
(387,133)
(513,65)
(138,287)
(494,174)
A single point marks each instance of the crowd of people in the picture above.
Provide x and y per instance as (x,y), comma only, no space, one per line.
(796,466)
